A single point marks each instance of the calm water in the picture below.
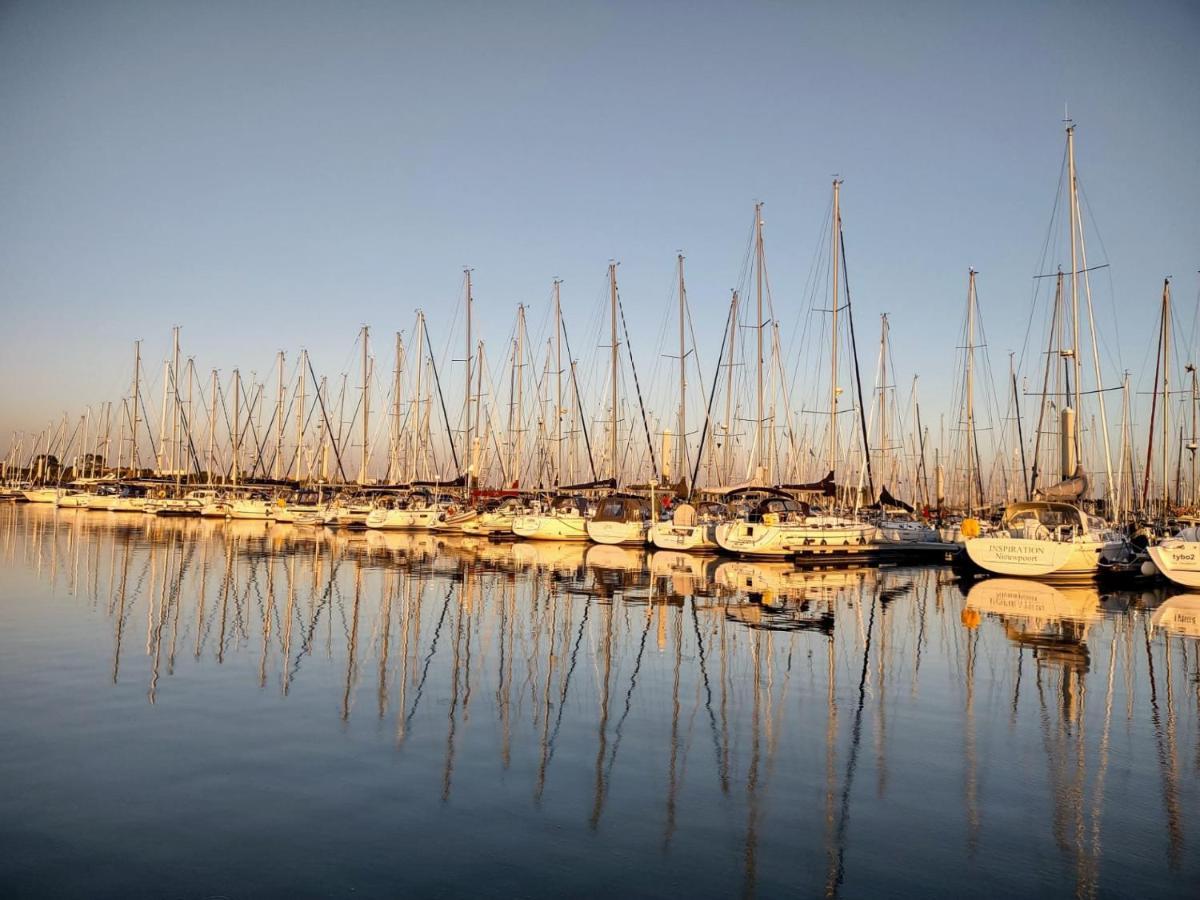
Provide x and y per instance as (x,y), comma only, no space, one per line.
(195,709)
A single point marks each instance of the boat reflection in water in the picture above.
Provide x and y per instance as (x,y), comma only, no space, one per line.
(721,726)
(1052,621)
(1179,615)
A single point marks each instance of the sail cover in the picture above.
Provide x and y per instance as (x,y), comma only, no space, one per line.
(1072,488)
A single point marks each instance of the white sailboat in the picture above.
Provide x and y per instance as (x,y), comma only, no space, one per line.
(1053,537)
(691,528)
(780,526)
(564,519)
(620,520)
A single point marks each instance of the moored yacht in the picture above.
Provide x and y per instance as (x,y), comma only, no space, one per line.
(620,520)
(1044,539)
(565,519)
(1178,557)
(691,528)
(780,526)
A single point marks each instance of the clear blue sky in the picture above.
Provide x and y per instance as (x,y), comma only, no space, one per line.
(272,175)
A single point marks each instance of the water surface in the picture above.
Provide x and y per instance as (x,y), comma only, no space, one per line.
(193,708)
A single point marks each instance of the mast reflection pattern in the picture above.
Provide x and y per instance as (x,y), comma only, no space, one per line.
(720,726)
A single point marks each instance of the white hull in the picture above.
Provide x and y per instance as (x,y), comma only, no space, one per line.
(490,523)
(688,538)
(617,532)
(254,510)
(906,532)
(403,519)
(783,540)
(551,528)
(74,501)
(1034,558)
(1179,561)
(41,495)
(126,504)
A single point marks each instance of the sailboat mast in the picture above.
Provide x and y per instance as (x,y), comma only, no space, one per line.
(1166,402)
(467,388)
(212,425)
(758,289)
(682,451)
(276,467)
(833,355)
(612,436)
(883,385)
(366,410)
(176,446)
(733,314)
(516,472)
(1192,442)
(417,393)
(300,417)
(394,463)
(237,422)
(1075,365)
(134,459)
(970,386)
(558,409)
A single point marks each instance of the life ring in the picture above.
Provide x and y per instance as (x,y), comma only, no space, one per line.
(970,528)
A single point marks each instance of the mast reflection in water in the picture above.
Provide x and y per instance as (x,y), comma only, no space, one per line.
(197,708)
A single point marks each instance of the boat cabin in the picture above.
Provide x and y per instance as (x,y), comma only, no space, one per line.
(622,509)
(1046,519)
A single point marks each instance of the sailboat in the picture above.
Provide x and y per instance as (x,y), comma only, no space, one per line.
(778,525)
(1053,537)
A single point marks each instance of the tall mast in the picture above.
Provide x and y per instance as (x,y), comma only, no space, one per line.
(237,422)
(212,425)
(1191,444)
(970,387)
(728,460)
(176,446)
(417,393)
(276,467)
(1074,286)
(682,451)
(366,410)
(187,431)
(478,447)
(161,460)
(612,436)
(759,441)
(134,459)
(325,434)
(558,409)
(1166,352)
(394,461)
(883,386)
(833,356)
(520,362)
(467,389)
(300,410)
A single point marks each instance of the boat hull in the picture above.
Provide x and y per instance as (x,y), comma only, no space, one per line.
(617,532)
(687,538)
(1179,561)
(403,519)
(785,540)
(550,528)
(1032,558)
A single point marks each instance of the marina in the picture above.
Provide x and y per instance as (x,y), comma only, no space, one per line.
(606,450)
